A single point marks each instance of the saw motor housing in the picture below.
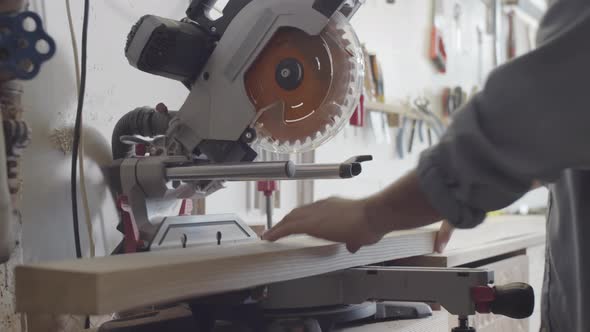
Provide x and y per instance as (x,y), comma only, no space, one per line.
(213,58)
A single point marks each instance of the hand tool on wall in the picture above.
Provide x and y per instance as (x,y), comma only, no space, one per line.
(453,99)
(412,134)
(378,78)
(479,32)
(438,53)
(399,139)
(424,126)
(420,131)
(511,38)
(370,91)
(423,105)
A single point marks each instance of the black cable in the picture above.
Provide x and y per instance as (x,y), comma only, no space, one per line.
(77,129)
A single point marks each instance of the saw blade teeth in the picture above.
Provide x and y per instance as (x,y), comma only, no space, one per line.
(336,120)
(330,116)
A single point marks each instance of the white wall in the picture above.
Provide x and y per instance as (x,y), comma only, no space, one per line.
(397,33)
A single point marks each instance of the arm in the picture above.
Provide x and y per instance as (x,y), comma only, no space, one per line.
(403,202)
(361,222)
(529,123)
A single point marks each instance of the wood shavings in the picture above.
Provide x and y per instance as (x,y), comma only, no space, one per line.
(62,139)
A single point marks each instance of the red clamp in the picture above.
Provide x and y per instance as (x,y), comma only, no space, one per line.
(130,231)
(186,208)
(483,297)
(267,187)
(438,52)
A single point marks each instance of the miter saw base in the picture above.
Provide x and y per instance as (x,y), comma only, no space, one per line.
(247,318)
(322,303)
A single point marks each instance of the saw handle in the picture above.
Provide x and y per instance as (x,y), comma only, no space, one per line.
(198,12)
(515,300)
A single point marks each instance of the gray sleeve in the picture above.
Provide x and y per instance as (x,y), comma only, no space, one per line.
(530,122)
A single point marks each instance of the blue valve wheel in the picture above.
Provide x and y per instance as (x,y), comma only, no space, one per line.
(24,45)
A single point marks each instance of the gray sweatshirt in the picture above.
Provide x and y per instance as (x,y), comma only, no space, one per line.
(530,122)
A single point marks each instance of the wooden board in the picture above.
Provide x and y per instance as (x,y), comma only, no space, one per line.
(495,237)
(116,283)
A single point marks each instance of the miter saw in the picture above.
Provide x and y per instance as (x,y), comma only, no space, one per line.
(281,75)
(285,76)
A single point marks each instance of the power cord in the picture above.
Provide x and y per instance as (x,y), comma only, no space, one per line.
(77,127)
(84,193)
(77,135)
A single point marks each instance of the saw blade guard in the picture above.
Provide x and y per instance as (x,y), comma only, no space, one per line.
(305,88)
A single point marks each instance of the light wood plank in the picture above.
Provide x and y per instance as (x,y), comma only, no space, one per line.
(495,237)
(116,283)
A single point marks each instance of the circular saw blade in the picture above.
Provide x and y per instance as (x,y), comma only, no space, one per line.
(303,87)
(301,102)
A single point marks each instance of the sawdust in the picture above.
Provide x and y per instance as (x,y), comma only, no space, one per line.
(62,139)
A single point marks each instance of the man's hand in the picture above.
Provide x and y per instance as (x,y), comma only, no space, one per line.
(362,222)
(333,219)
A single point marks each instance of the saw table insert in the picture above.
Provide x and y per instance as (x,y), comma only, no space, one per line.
(116,283)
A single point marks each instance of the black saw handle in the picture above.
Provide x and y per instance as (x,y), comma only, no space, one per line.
(515,300)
